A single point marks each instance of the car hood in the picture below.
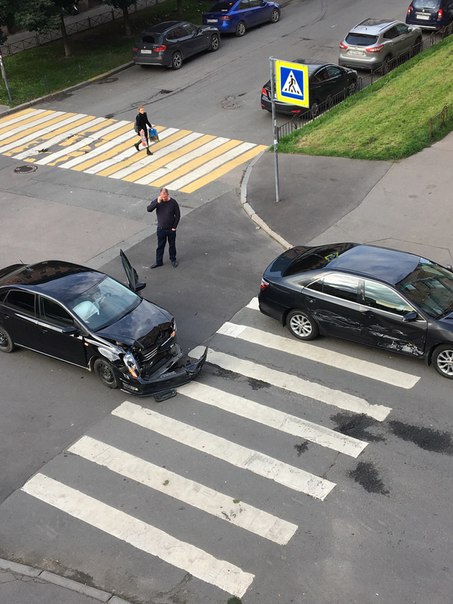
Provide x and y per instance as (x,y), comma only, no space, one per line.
(144,326)
(447,320)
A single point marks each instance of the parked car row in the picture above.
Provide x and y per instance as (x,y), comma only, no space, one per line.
(169,43)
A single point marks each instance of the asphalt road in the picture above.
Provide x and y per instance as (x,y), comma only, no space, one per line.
(379,535)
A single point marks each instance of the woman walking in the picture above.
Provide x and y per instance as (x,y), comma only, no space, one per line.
(141,128)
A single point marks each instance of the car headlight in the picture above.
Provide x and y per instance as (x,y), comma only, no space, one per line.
(131,364)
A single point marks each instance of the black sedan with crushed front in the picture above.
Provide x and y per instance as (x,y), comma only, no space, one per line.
(171,42)
(381,297)
(86,318)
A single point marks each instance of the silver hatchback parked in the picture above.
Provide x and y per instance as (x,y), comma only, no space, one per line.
(375,43)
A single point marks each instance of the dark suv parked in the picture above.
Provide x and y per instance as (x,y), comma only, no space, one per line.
(430,14)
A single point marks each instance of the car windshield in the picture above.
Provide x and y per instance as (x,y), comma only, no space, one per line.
(361,39)
(104,303)
(429,286)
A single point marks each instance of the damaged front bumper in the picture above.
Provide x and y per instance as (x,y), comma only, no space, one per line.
(179,371)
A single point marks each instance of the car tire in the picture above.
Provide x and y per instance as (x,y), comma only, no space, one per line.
(442,360)
(6,343)
(214,43)
(106,373)
(314,110)
(275,16)
(240,29)
(417,47)
(386,64)
(352,88)
(329,102)
(301,325)
(176,60)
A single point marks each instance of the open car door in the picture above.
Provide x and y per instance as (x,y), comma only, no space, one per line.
(134,284)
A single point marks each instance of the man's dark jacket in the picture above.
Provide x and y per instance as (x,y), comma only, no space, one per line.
(168,213)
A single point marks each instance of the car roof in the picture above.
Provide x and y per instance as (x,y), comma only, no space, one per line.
(374,25)
(162,27)
(56,278)
(313,65)
(383,264)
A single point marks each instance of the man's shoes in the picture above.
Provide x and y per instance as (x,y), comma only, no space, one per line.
(174,263)
(136,146)
(155,265)
(148,152)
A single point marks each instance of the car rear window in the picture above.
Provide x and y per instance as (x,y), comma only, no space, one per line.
(150,38)
(222,7)
(419,4)
(361,39)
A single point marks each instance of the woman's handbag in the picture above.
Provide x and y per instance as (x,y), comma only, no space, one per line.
(153,135)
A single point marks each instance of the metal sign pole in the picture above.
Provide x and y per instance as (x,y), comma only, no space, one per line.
(5,79)
(274,131)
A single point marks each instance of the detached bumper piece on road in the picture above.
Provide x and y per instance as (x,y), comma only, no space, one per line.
(181,371)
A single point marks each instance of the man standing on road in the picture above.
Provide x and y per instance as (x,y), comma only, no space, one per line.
(168,215)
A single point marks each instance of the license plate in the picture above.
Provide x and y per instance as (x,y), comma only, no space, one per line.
(211,20)
(146,52)
(423,17)
(358,53)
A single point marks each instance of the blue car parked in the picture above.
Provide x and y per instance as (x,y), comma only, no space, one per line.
(236,16)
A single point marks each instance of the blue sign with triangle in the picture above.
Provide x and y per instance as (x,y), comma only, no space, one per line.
(291,81)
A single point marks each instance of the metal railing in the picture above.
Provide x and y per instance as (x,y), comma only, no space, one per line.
(438,123)
(73,26)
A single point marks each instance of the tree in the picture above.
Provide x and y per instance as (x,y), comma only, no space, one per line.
(45,15)
(124,6)
(7,10)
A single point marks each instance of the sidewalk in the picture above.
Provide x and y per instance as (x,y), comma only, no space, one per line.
(404,204)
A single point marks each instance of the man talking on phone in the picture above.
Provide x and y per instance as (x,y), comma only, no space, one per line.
(168,215)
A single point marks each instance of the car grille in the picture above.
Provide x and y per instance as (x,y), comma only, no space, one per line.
(154,348)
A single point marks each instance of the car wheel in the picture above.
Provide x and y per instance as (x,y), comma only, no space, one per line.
(176,60)
(240,29)
(105,372)
(329,102)
(301,325)
(352,88)
(6,343)
(215,43)
(386,64)
(443,360)
(314,110)
(275,15)
(416,48)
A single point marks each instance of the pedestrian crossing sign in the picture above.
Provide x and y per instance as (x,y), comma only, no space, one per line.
(291,83)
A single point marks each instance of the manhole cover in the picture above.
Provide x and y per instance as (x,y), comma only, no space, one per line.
(25,169)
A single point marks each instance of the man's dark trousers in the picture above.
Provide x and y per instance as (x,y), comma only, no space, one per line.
(162,236)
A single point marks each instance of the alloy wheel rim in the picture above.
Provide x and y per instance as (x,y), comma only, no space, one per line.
(445,362)
(107,373)
(301,325)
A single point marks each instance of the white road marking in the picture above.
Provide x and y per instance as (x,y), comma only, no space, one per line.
(295,384)
(140,535)
(98,150)
(179,183)
(274,418)
(320,355)
(225,507)
(184,159)
(19,118)
(21,131)
(237,455)
(59,137)
(89,140)
(125,154)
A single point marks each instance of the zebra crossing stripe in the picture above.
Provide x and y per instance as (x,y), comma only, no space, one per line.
(208,500)
(274,418)
(180,183)
(293,383)
(18,137)
(232,453)
(139,534)
(320,355)
(21,116)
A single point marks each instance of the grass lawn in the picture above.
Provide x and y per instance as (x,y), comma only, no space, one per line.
(40,71)
(388,120)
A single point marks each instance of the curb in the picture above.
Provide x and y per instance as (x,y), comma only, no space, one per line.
(48,577)
(251,212)
(47,97)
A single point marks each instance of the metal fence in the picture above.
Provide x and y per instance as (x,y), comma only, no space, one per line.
(438,123)
(73,26)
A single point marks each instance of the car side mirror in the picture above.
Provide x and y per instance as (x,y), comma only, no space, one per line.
(450,267)
(410,316)
(140,285)
(71,330)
